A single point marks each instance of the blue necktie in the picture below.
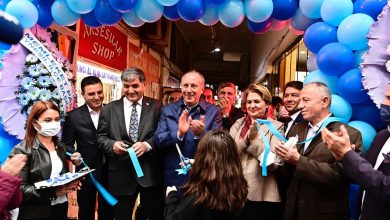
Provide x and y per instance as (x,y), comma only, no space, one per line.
(133,128)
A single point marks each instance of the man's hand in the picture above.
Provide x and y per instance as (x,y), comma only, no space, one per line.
(337,142)
(76,158)
(197,126)
(119,148)
(14,165)
(225,106)
(140,148)
(184,123)
(287,154)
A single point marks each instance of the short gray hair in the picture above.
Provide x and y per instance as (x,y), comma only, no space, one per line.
(198,73)
(131,73)
(323,89)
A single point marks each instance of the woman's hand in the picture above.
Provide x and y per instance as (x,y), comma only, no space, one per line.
(72,186)
(252,133)
(76,158)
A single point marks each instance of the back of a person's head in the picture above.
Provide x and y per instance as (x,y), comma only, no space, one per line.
(216,179)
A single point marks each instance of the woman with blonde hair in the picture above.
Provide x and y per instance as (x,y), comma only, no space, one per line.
(263,195)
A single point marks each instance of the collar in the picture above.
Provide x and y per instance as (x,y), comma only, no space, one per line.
(128,104)
(295,115)
(91,110)
(317,126)
(201,103)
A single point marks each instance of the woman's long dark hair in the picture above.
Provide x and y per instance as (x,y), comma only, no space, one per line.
(216,179)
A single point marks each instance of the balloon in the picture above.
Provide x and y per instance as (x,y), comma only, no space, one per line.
(350,87)
(300,22)
(105,14)
(3,3)
(170,13)
(45,2)
(132,19)
(168,2)
(312,63)
(7,142)
(359,56)
(367,131)
(11,30)
(278,25)
(311,8)
(318,35)
(5,46)
(258,10)
(45,19)
(211,16)
(367,112)
(90,20)
(259,28)
(62,14)
(341,108)
(216,2)
(122,5)
(354,191)
(148,10)
(24,11)
(191,10)
(335,59)
(334,11)
(353,31)
(294,31)
(318,76)
(231,14)
(81,7)
(284,9)
(369,7)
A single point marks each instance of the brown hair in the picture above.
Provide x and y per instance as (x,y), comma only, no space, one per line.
(261,90)
(216,179)
(36,111)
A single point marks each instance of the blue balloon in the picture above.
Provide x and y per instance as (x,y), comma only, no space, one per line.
(359,56)
(90,20)
(149,10)
(191,10)
(311,8)
(368,133)
(45,2)
(81,7)
(369,7)
(122,5)
(216,2)
(170,13)
(259,28)
(350,87)
(7,143)
(45,19)
(24,10)
(258,10)
(300,22)
(312,63)
(335,59)
(3,3)
(353,31)
(318,76)
(318,35)
(105,14)
(211,16)
(354,201)
(132,19)
(231,14)
(168,2)
(341,108)
(5,46)
(62,14)
(334,11)
(367,112)
(284,9)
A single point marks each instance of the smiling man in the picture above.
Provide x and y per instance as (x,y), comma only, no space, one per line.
(291,102)
(184,122)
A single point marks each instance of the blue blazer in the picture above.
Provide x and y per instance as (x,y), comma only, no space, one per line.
(166,138)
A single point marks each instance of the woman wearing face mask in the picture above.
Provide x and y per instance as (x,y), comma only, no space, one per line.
(264,199)
(45,159)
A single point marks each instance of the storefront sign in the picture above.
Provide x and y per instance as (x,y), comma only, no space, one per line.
(146,62)
(92,70)
(106,45)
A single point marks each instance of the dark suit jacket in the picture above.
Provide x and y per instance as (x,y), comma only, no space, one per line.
(112,128)
(234,114)
(376,203)
(297,120)
(319,188)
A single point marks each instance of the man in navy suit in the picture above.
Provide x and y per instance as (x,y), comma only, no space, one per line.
(291,102)
(371,173)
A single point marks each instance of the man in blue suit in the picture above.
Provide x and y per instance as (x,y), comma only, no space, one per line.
(184,122)
(371,173)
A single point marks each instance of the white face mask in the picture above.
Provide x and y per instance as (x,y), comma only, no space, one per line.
(49,129)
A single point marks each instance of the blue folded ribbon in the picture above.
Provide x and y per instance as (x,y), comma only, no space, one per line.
(103,192)
(135,162)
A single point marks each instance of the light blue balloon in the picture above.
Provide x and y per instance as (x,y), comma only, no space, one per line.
(368,133)
(312,63)
(210,17)
(334,11)
(149,10)
(132,19)
(231,13)
(7,142)
(359,56)
(3,3)
(81,7)
(318,76)
(62,14)
(258,10)
(300,22)
(168,2)
(340,107)
(24,11)
(311,8)
(353,31)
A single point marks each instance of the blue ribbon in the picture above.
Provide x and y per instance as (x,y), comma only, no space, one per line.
(106,195)
(184,170)
(267,149)
(135,162)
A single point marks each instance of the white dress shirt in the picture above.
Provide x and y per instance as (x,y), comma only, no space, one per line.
(94,116)
(313,130)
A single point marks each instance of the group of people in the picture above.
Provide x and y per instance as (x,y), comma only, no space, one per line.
(223,147)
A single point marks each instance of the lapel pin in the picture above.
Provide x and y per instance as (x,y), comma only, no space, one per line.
(147,103)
